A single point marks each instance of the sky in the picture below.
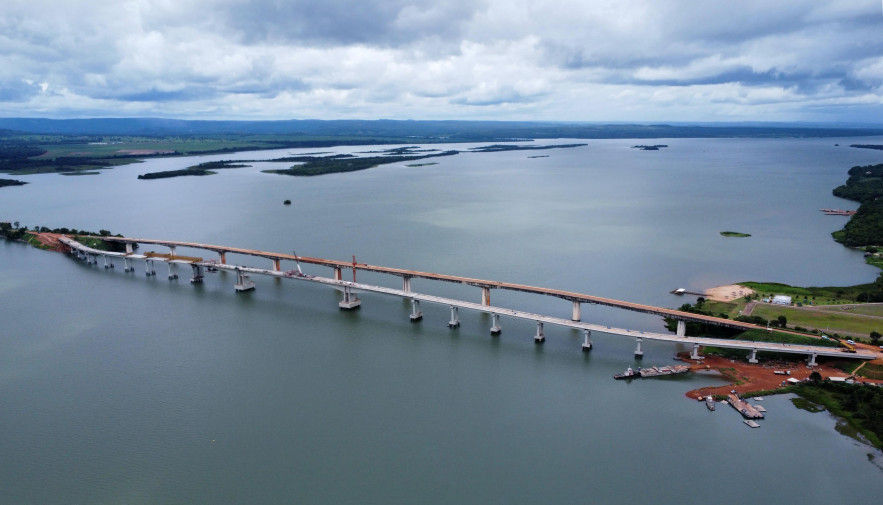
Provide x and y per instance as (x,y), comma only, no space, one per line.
(555,60)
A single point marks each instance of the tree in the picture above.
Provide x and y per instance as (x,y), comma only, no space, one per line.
(783,321)
(815,377)
(875,337)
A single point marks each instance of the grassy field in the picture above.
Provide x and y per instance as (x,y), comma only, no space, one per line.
(867,310)
(819,295)
(828,321)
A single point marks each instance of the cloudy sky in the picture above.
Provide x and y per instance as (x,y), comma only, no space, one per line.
(569,60)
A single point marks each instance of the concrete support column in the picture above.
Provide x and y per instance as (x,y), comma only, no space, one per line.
(406,283)
(172,250)
(540,336)
(337,274)
(129,267)
(695,353)
(222,257)
(576,314)
(173,273)
(495,325)
(486,296)
(639,348)
(812,360)
(276,266)
(106,264)
(752,358)
(416,315)
(682,327)
(587,342)
(129,248)
(197,274)
(455,318)
(350,300)
(148,268)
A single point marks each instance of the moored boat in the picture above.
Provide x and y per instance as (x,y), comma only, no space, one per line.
(709,402)
(628,374)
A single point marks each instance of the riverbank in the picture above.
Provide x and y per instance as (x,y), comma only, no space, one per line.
(728,292)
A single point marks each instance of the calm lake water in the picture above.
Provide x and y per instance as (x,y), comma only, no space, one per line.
(121,389)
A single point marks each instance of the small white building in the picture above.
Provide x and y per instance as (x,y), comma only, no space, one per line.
(782,300)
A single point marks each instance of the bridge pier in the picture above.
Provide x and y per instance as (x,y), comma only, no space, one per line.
(495,325)
(540,336)
(752,358)
(338,275)
(106,263)
(93,259)
(222,257)
(350,300)
(416,315)
(172,250)
(576,315)
(682,327)
(148,268)
(486,296)
(639,348)
(276,265)
(129,248)
(406,283)
(695,353)
(455,318)
(243,283)
(129,267)
(197,274)
(811,361)
(587,343)
(173,275)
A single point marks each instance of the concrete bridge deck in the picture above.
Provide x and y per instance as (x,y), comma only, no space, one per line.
(350,288)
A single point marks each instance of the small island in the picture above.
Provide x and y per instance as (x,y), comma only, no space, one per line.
(11,182)
(201,169)
(286,202)
(734,234)
(654,147)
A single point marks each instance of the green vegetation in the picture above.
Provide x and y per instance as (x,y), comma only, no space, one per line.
(496,148)
(828,321)
(176,173)
(865,228)
(734,234)
(201,169)
(868,146)
(872,292)
(860,407)
(871,371)
(654,147)
(14,231)
(760,335)
(313,165)
(804,404)
(11,182)
(767,392)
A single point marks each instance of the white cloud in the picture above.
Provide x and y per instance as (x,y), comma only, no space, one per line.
(515,59)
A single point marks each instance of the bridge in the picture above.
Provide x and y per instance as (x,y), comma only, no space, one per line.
(351,300)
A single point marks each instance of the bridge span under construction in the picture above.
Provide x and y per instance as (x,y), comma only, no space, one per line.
(351,289)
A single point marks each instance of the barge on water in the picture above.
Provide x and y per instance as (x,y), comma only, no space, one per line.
(747,410)
(656,371)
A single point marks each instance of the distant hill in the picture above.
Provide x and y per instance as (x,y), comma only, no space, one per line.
(436,130)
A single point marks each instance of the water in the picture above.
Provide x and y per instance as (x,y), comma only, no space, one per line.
(116,388)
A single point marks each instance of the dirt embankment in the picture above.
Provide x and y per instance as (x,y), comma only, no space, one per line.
(749,377)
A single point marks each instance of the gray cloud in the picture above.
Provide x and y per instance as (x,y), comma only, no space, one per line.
(488,59)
